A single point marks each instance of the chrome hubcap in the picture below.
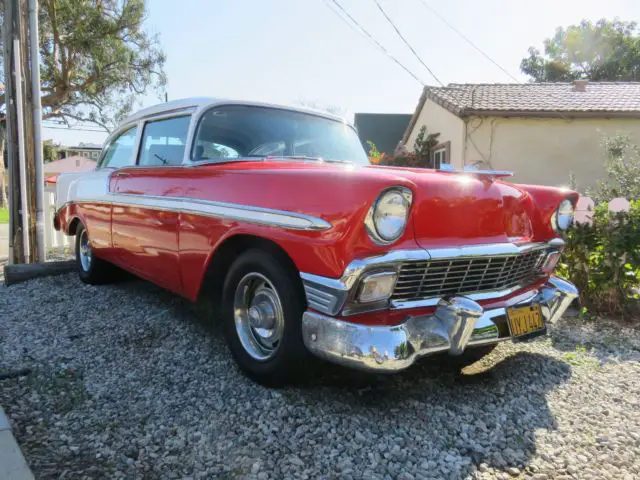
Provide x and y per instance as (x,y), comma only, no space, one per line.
(85,251)
(258,316)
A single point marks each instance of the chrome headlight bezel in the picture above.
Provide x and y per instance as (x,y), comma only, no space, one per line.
(562,218)
(374,230)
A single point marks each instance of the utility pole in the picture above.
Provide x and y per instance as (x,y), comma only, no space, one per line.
(34,44)
(24,138)
(16,232)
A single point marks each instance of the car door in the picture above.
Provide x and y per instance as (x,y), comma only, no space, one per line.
(145,211)
(92,190)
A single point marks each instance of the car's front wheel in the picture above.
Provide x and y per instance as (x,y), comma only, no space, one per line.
(91,269)
(262,307)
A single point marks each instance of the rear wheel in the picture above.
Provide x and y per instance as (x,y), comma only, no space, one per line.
(91,269)
(262,307)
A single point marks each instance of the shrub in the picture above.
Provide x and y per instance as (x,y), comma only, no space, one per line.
(603,260)
(419,158)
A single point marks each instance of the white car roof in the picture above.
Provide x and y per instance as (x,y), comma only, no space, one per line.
(205,102)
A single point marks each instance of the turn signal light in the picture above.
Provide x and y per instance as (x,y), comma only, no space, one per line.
(550,262)
(376,287)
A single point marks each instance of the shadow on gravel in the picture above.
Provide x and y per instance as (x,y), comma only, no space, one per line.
(487,413)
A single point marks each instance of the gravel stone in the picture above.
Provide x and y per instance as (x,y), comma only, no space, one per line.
(129,381)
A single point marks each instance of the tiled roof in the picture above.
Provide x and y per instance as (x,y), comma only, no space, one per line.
(552,100)
(605,97)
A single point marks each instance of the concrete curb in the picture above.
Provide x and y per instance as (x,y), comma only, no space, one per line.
(12,464)
(23,272)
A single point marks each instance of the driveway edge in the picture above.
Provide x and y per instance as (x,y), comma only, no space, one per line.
(12,462)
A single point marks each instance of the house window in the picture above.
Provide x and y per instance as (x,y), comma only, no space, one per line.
(441,154)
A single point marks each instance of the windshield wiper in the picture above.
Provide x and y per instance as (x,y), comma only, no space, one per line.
(163,160)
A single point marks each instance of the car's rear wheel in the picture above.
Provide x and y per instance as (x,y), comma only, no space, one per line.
(91,269)
(262,307)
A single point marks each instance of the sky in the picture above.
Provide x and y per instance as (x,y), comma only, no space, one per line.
(292,51)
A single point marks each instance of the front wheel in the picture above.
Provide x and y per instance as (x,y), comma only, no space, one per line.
(262,306)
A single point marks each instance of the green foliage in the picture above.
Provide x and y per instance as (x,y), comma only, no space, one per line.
(96,59)
(373,150)
(420,157)
(622,167)
(604,51)
(4,215)
(50,151)
(603,260)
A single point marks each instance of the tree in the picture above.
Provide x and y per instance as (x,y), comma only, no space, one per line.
(95,59)
(50,151)
(622,170)
(606,51)
(332,109)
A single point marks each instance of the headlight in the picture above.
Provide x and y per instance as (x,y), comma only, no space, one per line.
(387,217)
(563,216)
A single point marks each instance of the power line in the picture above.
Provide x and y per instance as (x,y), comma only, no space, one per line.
(407,43)
(461,35)
(371,38)
(78,129)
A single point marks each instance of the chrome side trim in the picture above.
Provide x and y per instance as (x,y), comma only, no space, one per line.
(457,324)
(227,211)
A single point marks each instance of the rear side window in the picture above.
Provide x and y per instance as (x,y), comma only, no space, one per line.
(119,153)
(163,141)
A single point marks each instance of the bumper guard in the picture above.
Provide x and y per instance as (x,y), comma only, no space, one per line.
(457,323)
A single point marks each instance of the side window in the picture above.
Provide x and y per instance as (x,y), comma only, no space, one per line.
(163,141)
(119,153)
(217,138)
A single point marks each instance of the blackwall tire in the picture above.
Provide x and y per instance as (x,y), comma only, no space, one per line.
(262,306)
(91,269)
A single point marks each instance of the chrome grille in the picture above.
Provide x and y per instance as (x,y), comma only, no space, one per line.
(451,276)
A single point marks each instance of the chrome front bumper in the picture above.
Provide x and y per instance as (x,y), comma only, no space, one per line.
(457,323)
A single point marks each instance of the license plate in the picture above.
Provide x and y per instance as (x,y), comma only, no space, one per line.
(525,320)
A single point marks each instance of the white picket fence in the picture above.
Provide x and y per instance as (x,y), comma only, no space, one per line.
(53,238)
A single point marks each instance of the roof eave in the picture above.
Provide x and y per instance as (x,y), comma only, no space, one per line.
(549,114)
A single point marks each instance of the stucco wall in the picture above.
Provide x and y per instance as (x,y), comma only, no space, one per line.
(439,120)
(544,151)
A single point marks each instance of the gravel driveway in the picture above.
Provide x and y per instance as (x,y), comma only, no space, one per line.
(129,381)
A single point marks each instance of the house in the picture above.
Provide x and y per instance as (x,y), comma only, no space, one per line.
(543,132)
(88,150)
(75,164)
(385,130)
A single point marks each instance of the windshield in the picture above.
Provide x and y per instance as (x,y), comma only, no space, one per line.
(238,131)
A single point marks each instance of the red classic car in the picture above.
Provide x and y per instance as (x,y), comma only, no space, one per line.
(276,215)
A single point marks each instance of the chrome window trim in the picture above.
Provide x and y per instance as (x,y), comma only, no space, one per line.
(224,210)
(183,112)
(394,259)
(114,136)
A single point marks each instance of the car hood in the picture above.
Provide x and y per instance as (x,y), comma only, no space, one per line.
(454,209)
(449,209)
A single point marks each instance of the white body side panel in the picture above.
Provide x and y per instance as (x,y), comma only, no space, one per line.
(73,187)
